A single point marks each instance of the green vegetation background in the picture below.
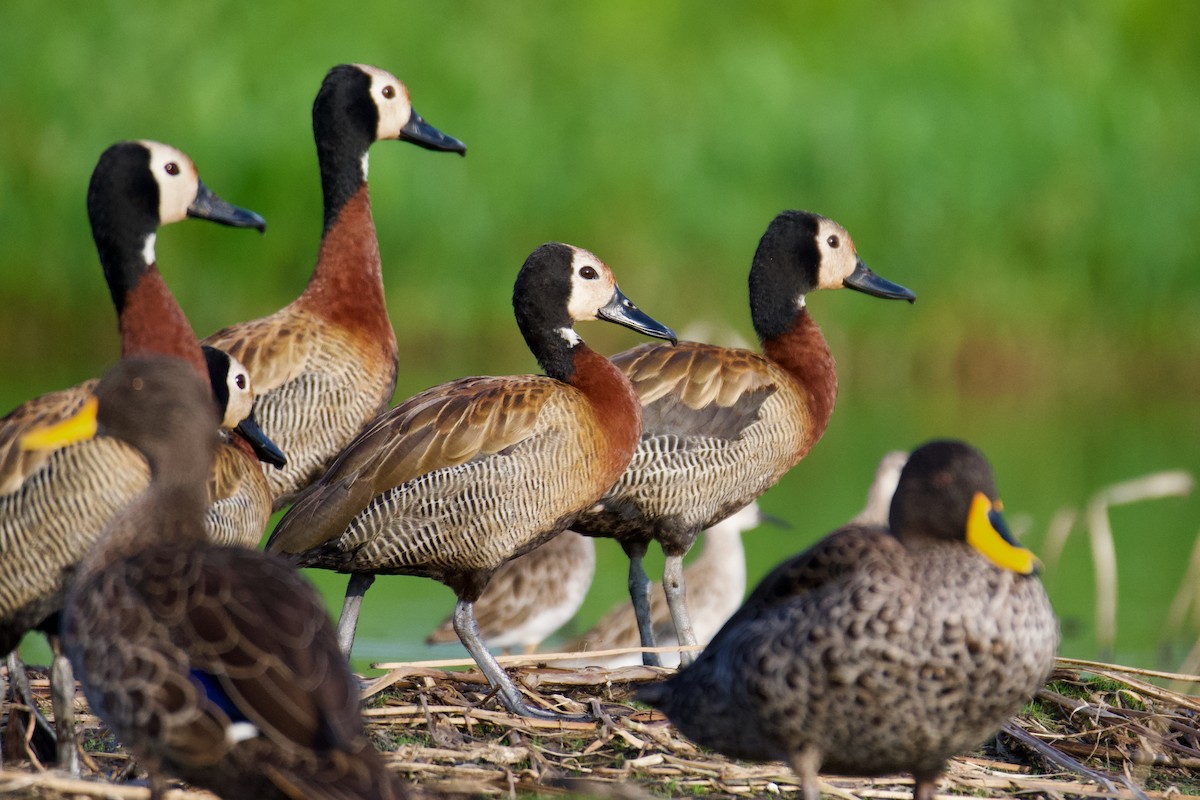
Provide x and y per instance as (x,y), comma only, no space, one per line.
(1030,169)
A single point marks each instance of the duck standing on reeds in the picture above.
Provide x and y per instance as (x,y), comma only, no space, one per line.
(457,480)
(880,649)
(217,665)
(325,364)
(721,425)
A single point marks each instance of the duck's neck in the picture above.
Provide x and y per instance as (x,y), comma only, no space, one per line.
(149,318)
(801,350)
(346,286)
(167,512)
(612,397)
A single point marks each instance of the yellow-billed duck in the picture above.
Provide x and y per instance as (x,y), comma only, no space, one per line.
(880,649)
(217,665)
(325,364)
(721,424)
(464,476)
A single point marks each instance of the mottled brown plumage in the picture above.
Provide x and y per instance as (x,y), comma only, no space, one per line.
(53,505)
(880,649)
(457,480)
(722,425)
(333,348)
(213,664)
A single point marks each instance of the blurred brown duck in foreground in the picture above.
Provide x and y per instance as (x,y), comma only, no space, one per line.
(54,505)
(217,665)
(459,479)
(880,649)
(325,364)
(722,425)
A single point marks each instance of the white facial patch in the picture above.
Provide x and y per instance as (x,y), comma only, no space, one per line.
(838,255)
(241,394)
(239,732)
(592,285)
(148,248)
(177,181)
(391,98)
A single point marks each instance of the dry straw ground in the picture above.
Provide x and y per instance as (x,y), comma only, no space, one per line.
(1095,730)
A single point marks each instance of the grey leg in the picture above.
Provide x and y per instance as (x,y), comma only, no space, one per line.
(805,764)
(468,631)
(348,623)
(18,679)
(62,699)
(677,603)
(639,593)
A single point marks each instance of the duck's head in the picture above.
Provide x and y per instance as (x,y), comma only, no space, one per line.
(156,404)
(234,393)
(137,187)
(559,285)
(359,104)
(947,491)
(799,253)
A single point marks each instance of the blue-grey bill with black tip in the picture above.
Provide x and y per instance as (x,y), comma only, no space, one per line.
(267,451)
(421,133)
(208,206)
(866,281)
(621,310)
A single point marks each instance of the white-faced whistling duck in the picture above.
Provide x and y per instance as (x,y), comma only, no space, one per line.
(721,425)
(333,348)
(882,648)
(459,479)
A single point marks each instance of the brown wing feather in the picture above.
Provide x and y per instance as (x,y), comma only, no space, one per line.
(146,627)
(275,349)
(698,389)
(440,428)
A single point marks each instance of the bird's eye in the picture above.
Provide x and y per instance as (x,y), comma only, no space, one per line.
(172,168)
(588,273)
(240,380)
(833,241)
(389,92)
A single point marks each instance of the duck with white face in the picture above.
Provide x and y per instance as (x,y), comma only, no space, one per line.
(723,424)
(459,479)
(334,347)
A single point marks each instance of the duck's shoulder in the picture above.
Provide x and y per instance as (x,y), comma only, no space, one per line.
(17,465)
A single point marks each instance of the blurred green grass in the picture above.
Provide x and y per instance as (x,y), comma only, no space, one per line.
(1030,169)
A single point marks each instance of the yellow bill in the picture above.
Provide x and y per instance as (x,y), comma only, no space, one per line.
(76,428)
(988,533)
